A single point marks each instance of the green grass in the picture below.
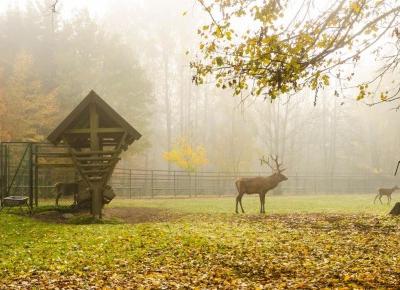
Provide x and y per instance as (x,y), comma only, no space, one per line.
(357,203)
(332,241)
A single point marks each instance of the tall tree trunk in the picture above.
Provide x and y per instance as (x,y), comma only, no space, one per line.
(333,156)
(182,101)
(205,120)
(167,103)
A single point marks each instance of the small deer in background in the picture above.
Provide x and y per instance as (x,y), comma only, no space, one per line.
(386,191)
(260,185)
(66,189)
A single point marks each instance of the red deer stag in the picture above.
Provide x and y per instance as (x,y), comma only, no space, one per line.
(385,191)
(260,185)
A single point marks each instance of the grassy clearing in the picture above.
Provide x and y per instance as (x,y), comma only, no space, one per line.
(336,246)
(357,203)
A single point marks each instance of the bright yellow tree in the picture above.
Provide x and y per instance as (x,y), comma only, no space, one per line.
(186,156)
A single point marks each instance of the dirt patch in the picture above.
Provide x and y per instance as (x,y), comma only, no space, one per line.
(135,215)
(131,215)
(59,217)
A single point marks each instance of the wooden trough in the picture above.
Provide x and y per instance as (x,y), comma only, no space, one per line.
(95,135)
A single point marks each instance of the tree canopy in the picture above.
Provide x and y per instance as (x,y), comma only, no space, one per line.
(186,156)
(46,68)
(275,47)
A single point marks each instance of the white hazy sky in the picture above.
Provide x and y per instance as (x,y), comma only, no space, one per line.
(97,7)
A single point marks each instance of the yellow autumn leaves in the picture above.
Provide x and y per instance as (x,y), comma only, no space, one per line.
(186,156)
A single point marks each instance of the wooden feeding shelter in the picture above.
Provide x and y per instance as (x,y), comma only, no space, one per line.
(95,135)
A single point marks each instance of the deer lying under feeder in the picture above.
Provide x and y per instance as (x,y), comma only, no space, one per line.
(260,185)
(386,191)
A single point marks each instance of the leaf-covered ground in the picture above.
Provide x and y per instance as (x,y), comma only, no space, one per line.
(202,250)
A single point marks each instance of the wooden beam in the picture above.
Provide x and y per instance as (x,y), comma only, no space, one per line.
(55,165)
(96,158)
(76,163)
(97,194)
(95,165)
(54,154)
(108,152)
(90,171)
(94,126)
(95,178)
(114,162)
(98,130)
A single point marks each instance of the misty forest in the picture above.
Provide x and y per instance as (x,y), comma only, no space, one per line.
(199,144)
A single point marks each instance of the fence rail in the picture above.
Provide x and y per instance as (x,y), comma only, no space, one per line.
(132,183)
(22,172)
(135,183)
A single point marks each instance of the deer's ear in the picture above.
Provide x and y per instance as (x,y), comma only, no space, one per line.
(282,170)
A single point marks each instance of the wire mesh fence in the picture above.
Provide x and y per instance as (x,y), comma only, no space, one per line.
(16,179)
(136,183)
(133,183)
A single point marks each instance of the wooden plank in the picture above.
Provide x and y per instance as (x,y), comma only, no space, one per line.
(97,195)
(94,165)
(98,130)
(86,171)
(108,152)
(95,178)
(94,125)
(72,151)
(53,154)
(55,165)
(113,163)
(97,158)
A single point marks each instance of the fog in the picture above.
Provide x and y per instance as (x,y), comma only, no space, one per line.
(336,136)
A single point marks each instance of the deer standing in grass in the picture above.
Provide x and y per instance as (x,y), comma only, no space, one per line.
(260,185)
(386,191)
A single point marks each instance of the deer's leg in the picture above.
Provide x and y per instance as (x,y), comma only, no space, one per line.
(75,199)
(57,198)
(240,202)
(376,198)
(380,198)
(262,202)
(237,201)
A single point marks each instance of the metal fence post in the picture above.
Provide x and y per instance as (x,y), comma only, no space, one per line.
(195,184)
(130,183)
(152,183)
(2,175)
(190,184)
(36,192)
(31,175)
(174,183)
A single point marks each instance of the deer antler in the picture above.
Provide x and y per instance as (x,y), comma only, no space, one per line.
(275,159)
(278,165)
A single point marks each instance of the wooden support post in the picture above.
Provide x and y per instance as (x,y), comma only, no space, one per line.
(97,194)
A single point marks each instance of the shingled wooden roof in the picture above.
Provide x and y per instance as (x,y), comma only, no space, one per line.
(78,118)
